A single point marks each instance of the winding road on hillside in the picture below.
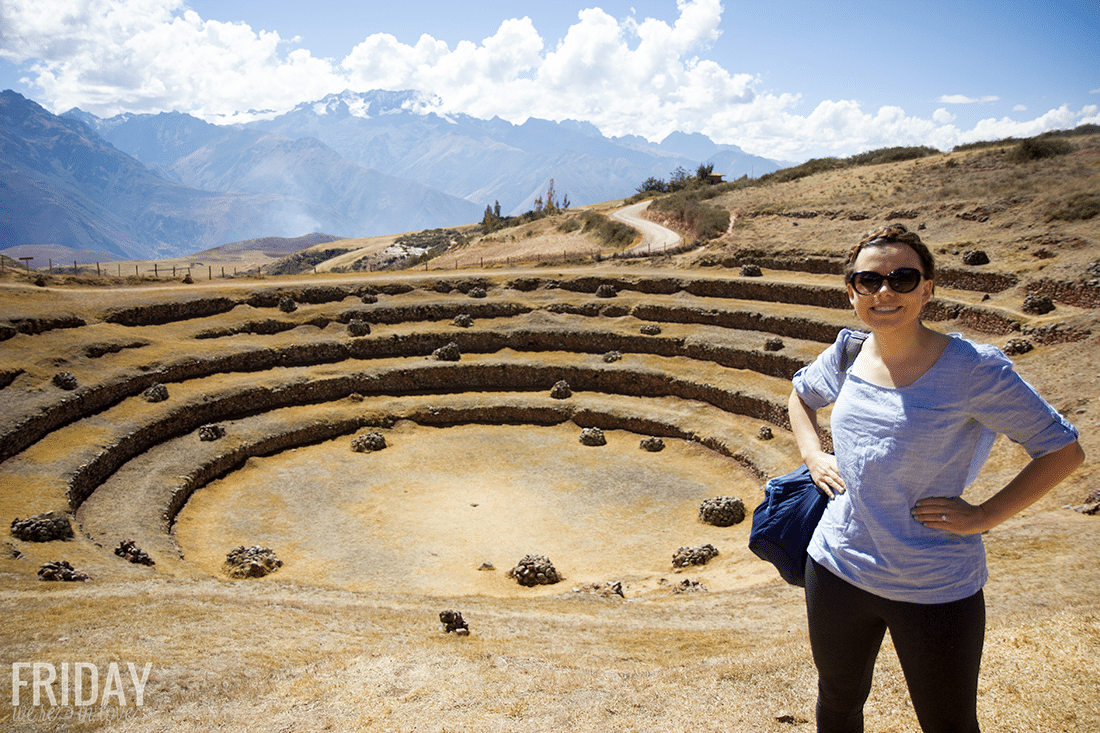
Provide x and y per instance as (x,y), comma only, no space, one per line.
(655,238)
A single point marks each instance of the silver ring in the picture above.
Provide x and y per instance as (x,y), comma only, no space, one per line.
(943,517)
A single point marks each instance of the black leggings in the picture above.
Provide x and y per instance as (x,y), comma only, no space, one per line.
(939,647)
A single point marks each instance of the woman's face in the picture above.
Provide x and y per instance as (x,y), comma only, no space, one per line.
(887,310)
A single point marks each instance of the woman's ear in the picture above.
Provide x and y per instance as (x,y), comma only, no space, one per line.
(929,290)
(851,294)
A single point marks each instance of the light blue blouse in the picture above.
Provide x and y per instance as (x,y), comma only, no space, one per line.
(897,445)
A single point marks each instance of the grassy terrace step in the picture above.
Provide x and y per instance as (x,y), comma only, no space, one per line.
(127,373)
(84,454)
(142,498)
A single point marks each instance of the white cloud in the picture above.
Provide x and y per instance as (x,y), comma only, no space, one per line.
(963,99)
(1020,108)
(647,77)
(942,116)
(108,56)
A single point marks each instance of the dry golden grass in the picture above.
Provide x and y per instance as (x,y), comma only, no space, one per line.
(276,655)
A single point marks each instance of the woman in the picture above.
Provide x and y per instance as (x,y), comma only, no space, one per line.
(898,548)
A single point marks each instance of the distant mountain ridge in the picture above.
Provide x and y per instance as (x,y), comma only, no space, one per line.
(353,164)
(486,161)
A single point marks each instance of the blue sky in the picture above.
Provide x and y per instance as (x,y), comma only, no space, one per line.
(788,79)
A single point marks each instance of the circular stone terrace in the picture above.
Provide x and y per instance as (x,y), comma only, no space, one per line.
(482,465)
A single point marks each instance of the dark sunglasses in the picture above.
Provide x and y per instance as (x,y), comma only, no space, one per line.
(902,280)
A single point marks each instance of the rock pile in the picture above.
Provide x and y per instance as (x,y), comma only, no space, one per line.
(561,390)
(1038,304)
(606,290)
(765,433)
(592,437)
(368,443)
(652,444)
(1015,347)
(129,551)
(211,432)
(650,329)
(611,357)
(251,562)
(61,570)
(42,528)
(157,393)
(463,320)
(287,305)
(688,585)
(975,257)
(65,380)
(477,293)
(774,344)
(687,556)
(535,570)
(449,352)
(604,590)
(453,622)
(722,511)
(358,327)
(751,271)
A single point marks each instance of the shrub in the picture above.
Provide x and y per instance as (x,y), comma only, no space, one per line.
(1079,207)
(1038,148)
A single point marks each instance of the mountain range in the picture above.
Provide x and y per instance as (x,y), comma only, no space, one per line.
(77,187)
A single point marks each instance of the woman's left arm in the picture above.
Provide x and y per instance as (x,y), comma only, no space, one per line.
(1038,477)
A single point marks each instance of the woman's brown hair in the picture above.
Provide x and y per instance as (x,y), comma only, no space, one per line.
(893,234)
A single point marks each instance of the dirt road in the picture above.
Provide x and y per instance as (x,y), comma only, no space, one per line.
(655,238)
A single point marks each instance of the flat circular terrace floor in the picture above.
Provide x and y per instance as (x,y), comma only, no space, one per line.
(424,514)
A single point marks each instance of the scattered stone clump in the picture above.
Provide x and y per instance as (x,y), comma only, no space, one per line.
(211,432)
(751,271)
(61,570)
(687,585)
(368,442)
(65,380)
(653,444)
(251,562)
(722,511)
(606,291)
(1091,505)
(687,556)
(592,437)
(1038,304)
(463,320)
(765,433)
(477,293)
(604,590)
(369,298)
(612,356)
(129,551)
(561,390)
(453,622)
(535,570)
(449,352)
(157,393)
(774,344)
(358,328)
(650,329)
(1015,347)
(42,527)
(975,257)
(287,305)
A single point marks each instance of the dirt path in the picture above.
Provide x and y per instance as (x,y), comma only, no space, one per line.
(655,238)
